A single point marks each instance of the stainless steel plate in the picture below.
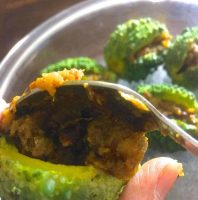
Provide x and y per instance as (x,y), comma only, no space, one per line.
(82,31)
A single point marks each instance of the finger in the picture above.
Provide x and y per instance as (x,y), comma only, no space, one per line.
(153,180)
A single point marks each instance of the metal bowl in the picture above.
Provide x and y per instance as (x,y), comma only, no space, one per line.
(82,30)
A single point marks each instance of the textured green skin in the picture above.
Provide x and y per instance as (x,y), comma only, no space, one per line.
(179,96)
(157,141)
(173,93)
(129,38)
(90,67)
(24,178)
(143,66)
(177,54)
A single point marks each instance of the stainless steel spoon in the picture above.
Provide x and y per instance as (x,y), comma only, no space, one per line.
(175,132)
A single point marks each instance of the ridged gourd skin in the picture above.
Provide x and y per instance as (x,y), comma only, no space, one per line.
(92,69)
(177,96)
(129,39)
(161,143)
(173,93)
(176,56)
(24,178)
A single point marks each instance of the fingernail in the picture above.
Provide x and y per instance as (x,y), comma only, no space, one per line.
(171,169)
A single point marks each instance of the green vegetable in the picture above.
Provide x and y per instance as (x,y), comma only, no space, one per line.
(25,178)
(172,93)
(190,128)
(177,103)
(92,69)
(136,47)
(157,141)
(182,58)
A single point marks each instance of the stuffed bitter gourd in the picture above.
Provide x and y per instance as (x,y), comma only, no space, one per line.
(92,69)
(80,152)
(136,47)
(178,104)
(181,60)
(25,178)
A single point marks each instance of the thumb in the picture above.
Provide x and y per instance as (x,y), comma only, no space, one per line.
(153,180)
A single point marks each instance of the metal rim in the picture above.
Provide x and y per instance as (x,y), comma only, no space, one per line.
(27,45)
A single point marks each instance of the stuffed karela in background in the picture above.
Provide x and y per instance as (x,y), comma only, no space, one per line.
(136,48)
(92,69)
(179,105)
(181,60)
(66,147)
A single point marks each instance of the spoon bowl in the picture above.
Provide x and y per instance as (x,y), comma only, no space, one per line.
(117,96)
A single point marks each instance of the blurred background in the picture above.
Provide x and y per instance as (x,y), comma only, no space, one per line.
(18,17)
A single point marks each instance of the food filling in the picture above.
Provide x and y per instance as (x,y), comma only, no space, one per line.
(157,45)
(191,60)
(174,111)
(80,127)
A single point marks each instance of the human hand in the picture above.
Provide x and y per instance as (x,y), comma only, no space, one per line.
(153,181)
